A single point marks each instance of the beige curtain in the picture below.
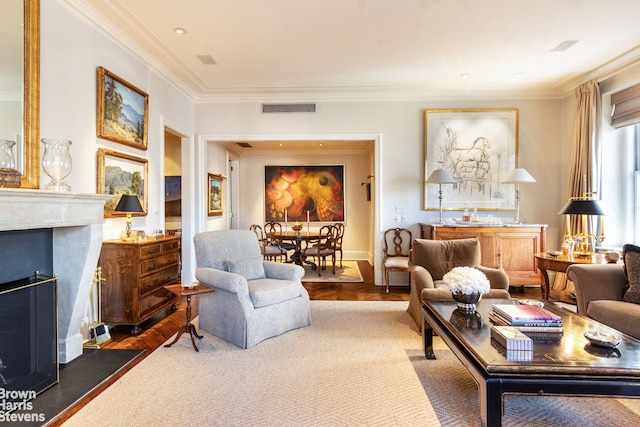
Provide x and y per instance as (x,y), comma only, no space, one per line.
(584,174)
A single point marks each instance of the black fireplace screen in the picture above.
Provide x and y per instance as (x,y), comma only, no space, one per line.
(28,334)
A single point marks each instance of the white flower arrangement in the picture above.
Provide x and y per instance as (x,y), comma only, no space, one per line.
(467,280)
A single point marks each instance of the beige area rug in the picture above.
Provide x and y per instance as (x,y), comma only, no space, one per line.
(348,273)
(359,364)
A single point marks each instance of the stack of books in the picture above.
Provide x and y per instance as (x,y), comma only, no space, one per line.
(529,319)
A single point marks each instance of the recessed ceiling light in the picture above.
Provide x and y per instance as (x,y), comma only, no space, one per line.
(281,144)
(180,30)
(320,144)
(519,75)
(465,75)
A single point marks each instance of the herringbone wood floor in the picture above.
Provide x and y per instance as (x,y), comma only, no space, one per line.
(160,328)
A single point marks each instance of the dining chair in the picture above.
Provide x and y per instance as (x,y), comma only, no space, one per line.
(270,251)
(339,234)
(274,228)
(325,247)
(397,252)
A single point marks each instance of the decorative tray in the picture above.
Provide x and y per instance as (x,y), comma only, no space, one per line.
(602,340)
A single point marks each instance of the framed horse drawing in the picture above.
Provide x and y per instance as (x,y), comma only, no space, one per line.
(479,148)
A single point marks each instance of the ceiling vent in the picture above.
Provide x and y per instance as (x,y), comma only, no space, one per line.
(288,108)
(564,46)
(244,144)
(207,59)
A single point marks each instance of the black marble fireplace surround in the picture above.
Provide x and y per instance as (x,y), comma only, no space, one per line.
(28,315)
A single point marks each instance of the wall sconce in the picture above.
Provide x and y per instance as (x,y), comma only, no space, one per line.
(584,206)
(128,203)
(517,176)
(440,176)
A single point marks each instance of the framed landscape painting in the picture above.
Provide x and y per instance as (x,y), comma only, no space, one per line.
(122,111)
(478,148)
(304,193)
(215,195)
(120,173)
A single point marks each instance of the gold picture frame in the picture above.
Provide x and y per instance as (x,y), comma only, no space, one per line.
(215,195)
(122,111)
(121,173)
(478,147)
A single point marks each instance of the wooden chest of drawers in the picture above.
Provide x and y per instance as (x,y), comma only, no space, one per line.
(134,274)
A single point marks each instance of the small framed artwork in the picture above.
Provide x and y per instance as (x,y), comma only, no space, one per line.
(172,196)
(215,195)
(478,148)
(120,173)
(122,111)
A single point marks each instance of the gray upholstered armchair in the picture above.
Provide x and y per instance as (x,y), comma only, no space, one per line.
(432,259)
(253,299)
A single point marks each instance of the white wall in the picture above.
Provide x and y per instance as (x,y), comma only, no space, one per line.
(71,50)
(400,155)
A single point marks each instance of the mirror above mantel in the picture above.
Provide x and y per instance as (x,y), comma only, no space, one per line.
(20,91)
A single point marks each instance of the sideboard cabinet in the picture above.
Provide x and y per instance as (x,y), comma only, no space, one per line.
(512,247)
(134,275)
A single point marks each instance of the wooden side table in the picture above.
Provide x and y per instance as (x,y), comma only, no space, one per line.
(189,328)
(545,262)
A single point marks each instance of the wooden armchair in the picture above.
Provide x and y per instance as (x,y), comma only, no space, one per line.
(397,252)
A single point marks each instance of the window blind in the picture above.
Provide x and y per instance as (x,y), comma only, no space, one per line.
(626,107)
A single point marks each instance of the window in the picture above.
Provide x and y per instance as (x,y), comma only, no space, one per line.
(621,186)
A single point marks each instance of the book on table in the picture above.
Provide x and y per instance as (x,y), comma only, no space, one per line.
(521,314)
(511,338)
(529,327)
(535,322)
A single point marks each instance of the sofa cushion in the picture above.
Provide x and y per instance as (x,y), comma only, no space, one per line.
(439,257)
(249,268)
(619,315)
(265,292)
(631,259)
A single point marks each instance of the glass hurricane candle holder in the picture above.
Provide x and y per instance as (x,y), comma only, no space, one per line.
(56,163)
(7,159)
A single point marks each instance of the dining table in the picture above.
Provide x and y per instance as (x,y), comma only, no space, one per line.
(297,238)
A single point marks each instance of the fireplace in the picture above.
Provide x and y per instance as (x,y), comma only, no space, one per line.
(28,338)
(73,224)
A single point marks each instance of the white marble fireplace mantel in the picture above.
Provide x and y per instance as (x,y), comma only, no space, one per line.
(76,220)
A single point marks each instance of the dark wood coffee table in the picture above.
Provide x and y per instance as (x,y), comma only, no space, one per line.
(569,366)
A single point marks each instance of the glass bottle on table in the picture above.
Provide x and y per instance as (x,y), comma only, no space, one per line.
(465,214)
(474,216)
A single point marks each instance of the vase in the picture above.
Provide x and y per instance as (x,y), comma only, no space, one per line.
(56,163)
(467,302)
(7,159)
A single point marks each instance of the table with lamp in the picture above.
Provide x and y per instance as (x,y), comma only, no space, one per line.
(510,245)
(135,271)
(578,248)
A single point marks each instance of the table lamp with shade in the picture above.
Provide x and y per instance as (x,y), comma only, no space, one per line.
(516,176)
(440,176)
(584,206)
(128,203)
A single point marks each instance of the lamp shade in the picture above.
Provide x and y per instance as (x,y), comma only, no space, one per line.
(582,207)
(441,176)
(129,203)
(518,175)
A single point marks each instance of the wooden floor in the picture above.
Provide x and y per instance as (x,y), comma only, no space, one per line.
(160,328)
